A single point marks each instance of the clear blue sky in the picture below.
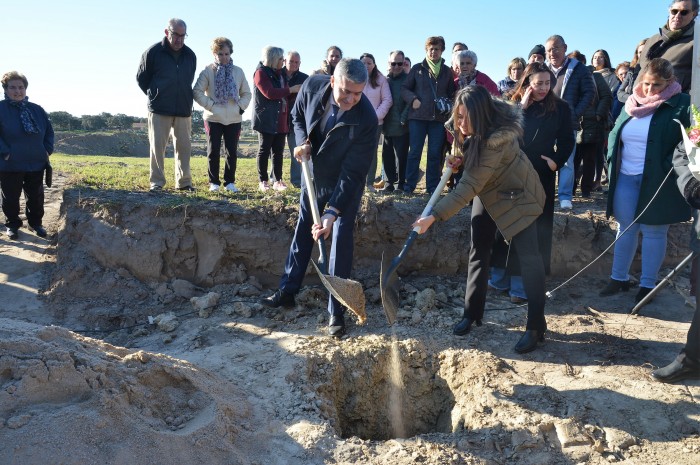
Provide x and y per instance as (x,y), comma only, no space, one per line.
(81,56)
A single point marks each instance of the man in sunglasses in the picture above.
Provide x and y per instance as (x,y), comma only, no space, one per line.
(165,75)
(395,129)
(674,42)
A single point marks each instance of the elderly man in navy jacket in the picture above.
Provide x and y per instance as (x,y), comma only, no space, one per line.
(336,126)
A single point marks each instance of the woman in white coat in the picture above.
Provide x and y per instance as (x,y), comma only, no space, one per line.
(223,92)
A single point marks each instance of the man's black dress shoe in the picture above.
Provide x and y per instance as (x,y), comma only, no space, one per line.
(41,232)
(676,371)
(12,233)
(464,326)
(336,326)
(279,299)
(528,342)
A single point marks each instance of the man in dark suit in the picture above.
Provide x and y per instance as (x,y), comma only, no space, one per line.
(336,127)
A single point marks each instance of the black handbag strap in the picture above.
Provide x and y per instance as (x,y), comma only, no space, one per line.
(433,86)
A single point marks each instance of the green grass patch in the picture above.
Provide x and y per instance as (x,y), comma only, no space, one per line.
(132,173)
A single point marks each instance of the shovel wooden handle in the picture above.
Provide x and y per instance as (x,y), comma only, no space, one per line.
(311,191)
(446,173)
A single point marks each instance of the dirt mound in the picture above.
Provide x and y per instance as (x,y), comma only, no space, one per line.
(116,143)
(134,406)
(127,143)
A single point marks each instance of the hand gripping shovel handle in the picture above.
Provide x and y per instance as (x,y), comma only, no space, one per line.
(311,191)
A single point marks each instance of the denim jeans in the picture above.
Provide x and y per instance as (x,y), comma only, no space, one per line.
(566,177)
(503,281)
(653,236)
(418,130)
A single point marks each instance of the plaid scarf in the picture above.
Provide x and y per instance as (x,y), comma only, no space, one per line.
(225,85)
(28,123)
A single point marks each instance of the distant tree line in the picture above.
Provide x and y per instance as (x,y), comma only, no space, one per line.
(64,121)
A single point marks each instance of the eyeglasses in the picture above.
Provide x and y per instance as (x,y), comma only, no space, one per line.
(394,63)
(674,12)
(175,34)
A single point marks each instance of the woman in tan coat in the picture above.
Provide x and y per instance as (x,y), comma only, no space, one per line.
(508,197)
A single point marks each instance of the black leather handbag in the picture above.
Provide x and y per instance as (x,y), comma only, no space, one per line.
(49,173)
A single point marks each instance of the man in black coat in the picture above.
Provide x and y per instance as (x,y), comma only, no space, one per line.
(336,127)
(165,75)
(687,364)
(294,77)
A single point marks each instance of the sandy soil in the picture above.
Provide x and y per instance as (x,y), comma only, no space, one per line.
(133,336)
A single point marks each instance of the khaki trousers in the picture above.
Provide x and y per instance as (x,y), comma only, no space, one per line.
(159,127)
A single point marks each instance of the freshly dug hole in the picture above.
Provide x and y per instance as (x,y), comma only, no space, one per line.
(373,397)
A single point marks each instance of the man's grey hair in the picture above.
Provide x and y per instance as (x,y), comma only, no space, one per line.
(176,22)
(694,4)
(397,52)
(457,56)
(271,55)
(556,38)
(292,53)
(351,69)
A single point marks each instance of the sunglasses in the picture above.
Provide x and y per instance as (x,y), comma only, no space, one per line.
(681,12)
(393,63)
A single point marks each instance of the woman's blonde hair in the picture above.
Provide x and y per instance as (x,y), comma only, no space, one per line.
(219,43)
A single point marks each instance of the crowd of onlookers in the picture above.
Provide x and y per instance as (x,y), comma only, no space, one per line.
(412,104)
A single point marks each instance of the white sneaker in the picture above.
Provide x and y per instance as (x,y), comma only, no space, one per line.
(213,187)
(566,204)
(231,187)
(279,186)
(264,187)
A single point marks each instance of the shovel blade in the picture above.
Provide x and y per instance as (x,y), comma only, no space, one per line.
(347,291)
(389,288)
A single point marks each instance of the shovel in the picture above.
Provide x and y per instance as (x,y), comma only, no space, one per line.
(388,280)
(662,283)
(348,292)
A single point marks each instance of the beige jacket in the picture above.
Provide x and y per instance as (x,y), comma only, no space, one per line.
(204,91)
(504,180)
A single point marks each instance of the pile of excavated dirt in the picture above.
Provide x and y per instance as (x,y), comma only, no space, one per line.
(126,143)
(160,352)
